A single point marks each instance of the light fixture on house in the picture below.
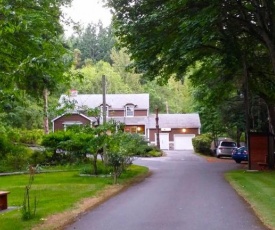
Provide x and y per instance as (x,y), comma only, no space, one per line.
(138,129)
(184,130)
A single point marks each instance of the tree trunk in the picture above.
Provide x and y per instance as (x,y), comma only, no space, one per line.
(95,164)
(115,174)
(271,50)
(157,128)
(45,110)
(271,118)
(238,137)
(247,108)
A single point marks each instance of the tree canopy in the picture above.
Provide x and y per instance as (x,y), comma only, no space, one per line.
(30,42)
(166,37)
(228,43)
(94,42)
(32,51)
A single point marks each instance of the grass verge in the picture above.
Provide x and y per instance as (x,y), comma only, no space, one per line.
(62,194)
(258,189)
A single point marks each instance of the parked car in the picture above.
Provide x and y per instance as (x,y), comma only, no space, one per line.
(216,143)
(240,154)
(225,148)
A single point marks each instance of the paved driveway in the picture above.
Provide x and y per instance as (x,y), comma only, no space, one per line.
(185,192)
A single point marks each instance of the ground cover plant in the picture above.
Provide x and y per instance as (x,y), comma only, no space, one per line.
(258,189)
(55,193)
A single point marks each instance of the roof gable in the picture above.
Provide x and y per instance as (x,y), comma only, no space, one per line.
(79,114)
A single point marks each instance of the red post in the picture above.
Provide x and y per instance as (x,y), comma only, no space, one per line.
(3,200)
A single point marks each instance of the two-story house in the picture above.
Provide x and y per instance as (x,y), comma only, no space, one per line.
(175,130)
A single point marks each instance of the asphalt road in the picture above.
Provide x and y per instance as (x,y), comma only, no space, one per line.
(185,192)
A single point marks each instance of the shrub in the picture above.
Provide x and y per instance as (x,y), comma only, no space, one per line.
(139,146)
(87,170)
(60,158)
(119,162)
(32,137)
(5,145)
(142,147)
(202,144)
(154,153)
(29,137)
(17,159)
(102,169)
(151,151)
(39,157)
(53,140)
(67,146)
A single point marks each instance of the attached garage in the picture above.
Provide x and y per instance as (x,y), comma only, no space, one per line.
(175,130)
(183,141)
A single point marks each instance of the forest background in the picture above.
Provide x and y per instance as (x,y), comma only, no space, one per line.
(43,64)
(215,58)
(92,53)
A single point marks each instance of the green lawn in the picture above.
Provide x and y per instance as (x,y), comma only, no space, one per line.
(59,191)
(55,192)
(258,189)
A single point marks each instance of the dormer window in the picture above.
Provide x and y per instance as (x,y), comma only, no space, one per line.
(129,110)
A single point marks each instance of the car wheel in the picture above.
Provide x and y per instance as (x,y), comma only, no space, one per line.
(218,156)
(238,161)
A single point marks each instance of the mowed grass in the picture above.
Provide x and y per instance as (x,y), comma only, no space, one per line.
(55,192)
(258,189)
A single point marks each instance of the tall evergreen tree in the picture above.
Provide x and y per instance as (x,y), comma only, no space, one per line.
(94,42)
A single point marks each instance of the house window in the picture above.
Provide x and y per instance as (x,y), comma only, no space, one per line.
(106,110)
(134,129)
(129,111)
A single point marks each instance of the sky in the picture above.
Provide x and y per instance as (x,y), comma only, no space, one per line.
(87,11)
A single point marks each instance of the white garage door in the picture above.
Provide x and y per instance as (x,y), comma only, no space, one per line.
(183,141)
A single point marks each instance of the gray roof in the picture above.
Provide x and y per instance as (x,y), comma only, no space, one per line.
(131,120)
(115,101)
(190,120)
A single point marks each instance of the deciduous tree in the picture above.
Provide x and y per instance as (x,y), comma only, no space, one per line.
(31,49)
(233,41)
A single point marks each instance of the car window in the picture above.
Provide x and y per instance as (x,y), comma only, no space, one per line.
(228,144)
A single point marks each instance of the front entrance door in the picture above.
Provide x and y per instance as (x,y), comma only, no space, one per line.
(164,141)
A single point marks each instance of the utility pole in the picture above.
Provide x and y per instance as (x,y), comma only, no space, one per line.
(157,127)
(104,98)
(45,109)
(104,112)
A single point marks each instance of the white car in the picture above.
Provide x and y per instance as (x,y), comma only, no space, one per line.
(225,148)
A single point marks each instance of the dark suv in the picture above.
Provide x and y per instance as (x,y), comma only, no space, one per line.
(225,148)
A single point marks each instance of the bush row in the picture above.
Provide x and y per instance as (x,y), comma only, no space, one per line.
(60,148)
